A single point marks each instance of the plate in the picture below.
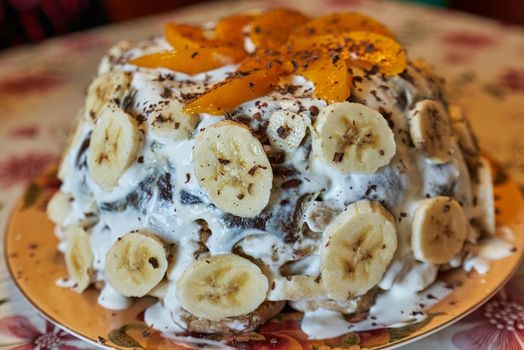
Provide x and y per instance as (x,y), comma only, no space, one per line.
(36,265)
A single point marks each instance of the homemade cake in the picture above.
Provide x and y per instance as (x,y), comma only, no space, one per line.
(262,159)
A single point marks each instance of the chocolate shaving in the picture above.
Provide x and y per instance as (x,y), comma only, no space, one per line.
(164,187)
(253,170)
(166,93)
(277,158)
(154,262)
(283,131)
(291,183)
(313,110)
(338,156)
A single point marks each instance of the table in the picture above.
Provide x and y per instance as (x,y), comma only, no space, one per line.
(41,88)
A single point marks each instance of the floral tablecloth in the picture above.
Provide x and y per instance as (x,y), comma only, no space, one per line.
(41,88)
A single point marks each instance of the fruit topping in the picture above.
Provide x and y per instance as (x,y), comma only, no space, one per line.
(284,42)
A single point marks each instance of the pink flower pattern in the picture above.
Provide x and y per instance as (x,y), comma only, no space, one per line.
(344,3)
(30,82)
(30,337)
(83,42)
(457,57)
(499,324)
(23,132)
(513,79)
(20,169)
(468,40)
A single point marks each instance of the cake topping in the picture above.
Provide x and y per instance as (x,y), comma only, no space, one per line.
(113,147)
(285,42)
(271,30)
(254,78)
(107,88)
(356,249)
(353,138)
(335,23)
(484,195)
(286,130)
(220,286)
(79,257)
(298,287)
(231,166)
(171,122)
(136,263)
(430,130)
(439,230)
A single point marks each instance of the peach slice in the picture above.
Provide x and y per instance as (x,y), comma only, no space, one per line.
(329,76)
(229,29)
(244,86)
(342,22)
(361,49)
(183,36)
(271,29)
(190,61)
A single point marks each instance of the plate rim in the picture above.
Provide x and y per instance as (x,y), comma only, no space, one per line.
(35,307)
(394,345)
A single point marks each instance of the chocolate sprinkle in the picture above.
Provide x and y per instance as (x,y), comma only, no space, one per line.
(154,262)
(338,156)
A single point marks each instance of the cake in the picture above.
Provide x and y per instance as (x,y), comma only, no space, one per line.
(263,160)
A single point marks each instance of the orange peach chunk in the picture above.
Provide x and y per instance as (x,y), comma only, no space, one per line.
(342,22)
(191,61)
(229,29)
(183,36)
(271,29)
(234,91)
(360,49)
(330,78)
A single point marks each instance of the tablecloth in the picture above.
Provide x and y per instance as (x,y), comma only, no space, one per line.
(41,87)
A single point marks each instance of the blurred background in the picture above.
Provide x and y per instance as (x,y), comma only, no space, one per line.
(31,21)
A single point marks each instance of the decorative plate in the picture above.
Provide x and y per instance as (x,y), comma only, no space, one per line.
(35,265)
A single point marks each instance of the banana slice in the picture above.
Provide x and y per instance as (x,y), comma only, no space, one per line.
(78,257)
(73,139)
(136,263)
(231,166)
(59,207)
(113,146)
(108,88)
(286,130)
(299,287)
(430,130)
(160,291)
(221,286)
(356,250)
(439,229)
(463,131)
(170,122)
(353,138)
(318,216)
(485,196)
